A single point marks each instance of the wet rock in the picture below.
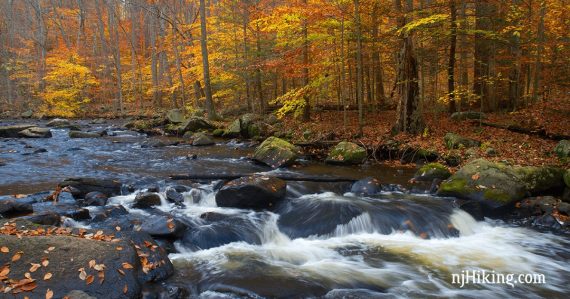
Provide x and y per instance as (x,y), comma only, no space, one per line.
(228,229)
(196,124)
(468,115)
(562,149)
(58,123)
(13,207)
(81,186)
(2,162)
(276,152)
(432,171)
(253,192)
(366,187)
(45,218)
(63,209)
(12,131)
(79,134)
(35,132)
(218,133)
(453,141)
(163,226)
(114,211)
(71,253)
(76,294)
(357,294)
(95,198)
(159,143)
(413,155)
(495,183)
(536,206)
(566,195)
(539,180)
(173,196)
(201,139)
(146,200)
(175,116)
(347,153)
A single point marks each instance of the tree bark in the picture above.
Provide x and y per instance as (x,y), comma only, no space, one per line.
(205,62)
(451,64)
(307,104)
(359,67)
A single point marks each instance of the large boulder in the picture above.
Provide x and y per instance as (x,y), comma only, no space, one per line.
(432,171)
(541,179)
(495,184)
(195,124)
(562,149)
(248,126)
(35,132)
(347,153)
(101,264)
(175,116)
(12,131)
(81,186)
(79,134)
(253,192)
(201,139)
(453,141)
(27,114)
(276,152)
(366,187)
(468,115)
(95,198)
(234,129)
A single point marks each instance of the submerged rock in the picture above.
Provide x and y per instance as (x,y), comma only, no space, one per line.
(95,198)
(453,141)
(172,195)
(58,123)
(347,153)
(253,192)
(13,207)
(432,171)
(276,152)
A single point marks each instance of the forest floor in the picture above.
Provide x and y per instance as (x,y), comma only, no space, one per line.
(516,148)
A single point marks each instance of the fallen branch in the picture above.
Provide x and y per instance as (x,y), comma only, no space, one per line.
(283,176)
(540,132)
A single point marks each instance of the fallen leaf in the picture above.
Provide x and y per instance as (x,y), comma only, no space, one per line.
(49,294)
(29,286)
(34,267)
(121,271)
(90,279)
(51,248)
(92,263)
(4,271)
(47,276)
(127,266)
(125,289)
(17,256)
(475,176)
(82,274)
(28,275)
(45,263)
(4,249)
(119,248)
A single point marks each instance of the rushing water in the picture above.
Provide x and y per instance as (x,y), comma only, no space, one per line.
(320,242)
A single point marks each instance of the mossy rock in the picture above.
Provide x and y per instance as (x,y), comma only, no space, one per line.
(172,128)
(195,124)
(541,179)
(347,153)
(276,152)
(453,141)
(234,130)
(495,183)
(562,149)
(468,115)
(188,135)
(201,139)
(567,178)
(175,116)
(432,171)
(218,132)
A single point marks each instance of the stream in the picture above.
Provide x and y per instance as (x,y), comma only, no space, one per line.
(322,241)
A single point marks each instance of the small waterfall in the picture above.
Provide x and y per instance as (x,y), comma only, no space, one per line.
(359,224)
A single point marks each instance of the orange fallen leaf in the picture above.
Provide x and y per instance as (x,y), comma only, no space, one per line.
(27,275)
(125,289)
(475,176)
(127,266)
(4,249)
(29,286)
(82,274)
(47,276)
(45,263)
(121,271)
(92,263)
(34,267)
(51,248)
(119,248)
(49,294)
(4,271)
(90,279)
(17,256)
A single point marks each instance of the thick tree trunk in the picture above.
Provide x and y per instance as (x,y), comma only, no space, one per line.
(359,67)
(307,107)
(451,64)
(539,49)
(485,11)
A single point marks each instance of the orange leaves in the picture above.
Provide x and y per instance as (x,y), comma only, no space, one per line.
(17,256)
(127,266)
(4,249)
(475,176)
(82,274)
(49,294)
(4,271)
(90,279)
(34,267)
(47,276)
(125,289)
(9,228)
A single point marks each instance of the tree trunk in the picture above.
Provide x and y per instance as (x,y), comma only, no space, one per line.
(359,68)
(451,65)
(409,118)
(205,62)
(539,48)
(376,61)
(307,104)
(485,10)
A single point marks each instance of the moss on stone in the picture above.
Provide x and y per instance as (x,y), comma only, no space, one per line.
(567,178)
(347,153)
(276,152)
(218,132)
(454,186)
(496,195)
(432,171)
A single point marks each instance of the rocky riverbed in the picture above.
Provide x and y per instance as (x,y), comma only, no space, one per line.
(97,209)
